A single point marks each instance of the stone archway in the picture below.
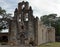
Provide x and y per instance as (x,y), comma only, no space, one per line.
(22,38)
(4,38)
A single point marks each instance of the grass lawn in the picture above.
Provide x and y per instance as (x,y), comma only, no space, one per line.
(55,44)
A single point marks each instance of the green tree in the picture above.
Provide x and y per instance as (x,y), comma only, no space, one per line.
(49,19)
(52,20)
(2,11)
(5,17)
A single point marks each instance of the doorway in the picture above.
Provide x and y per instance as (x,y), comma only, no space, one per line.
(4,40)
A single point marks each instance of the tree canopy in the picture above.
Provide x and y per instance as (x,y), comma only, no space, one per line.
(2,11)
(52,20)
(3,21)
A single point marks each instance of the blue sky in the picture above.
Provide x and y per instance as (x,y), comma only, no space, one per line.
(40,7)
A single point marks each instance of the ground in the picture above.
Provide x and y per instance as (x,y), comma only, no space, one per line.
(55,44)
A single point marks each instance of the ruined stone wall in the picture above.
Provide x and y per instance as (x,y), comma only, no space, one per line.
(51,34)
(13,33)
(41,33)
(25,27)
(23,23)
(44,34)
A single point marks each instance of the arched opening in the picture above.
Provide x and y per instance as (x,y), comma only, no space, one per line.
(4,31)
(26,17)
(22,39)
(23,6)
(19,20)
(22,27)
(4,38)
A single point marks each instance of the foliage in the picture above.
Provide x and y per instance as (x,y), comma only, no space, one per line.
(2,11)
(5,16)
(52,20)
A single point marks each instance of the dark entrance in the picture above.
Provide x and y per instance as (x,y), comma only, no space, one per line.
(4,40)
(22,38)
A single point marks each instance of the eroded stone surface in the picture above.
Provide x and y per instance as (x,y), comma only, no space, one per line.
(25,29)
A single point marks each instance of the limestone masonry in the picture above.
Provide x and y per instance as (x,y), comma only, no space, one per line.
(25,29)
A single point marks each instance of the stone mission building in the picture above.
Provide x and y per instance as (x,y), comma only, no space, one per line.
(25,29)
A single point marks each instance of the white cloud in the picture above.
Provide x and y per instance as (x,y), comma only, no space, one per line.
(3,4)
(43,7)
(40,7)
(8,6)
(46,6)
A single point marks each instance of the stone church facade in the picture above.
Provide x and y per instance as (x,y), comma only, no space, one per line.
(25,29)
